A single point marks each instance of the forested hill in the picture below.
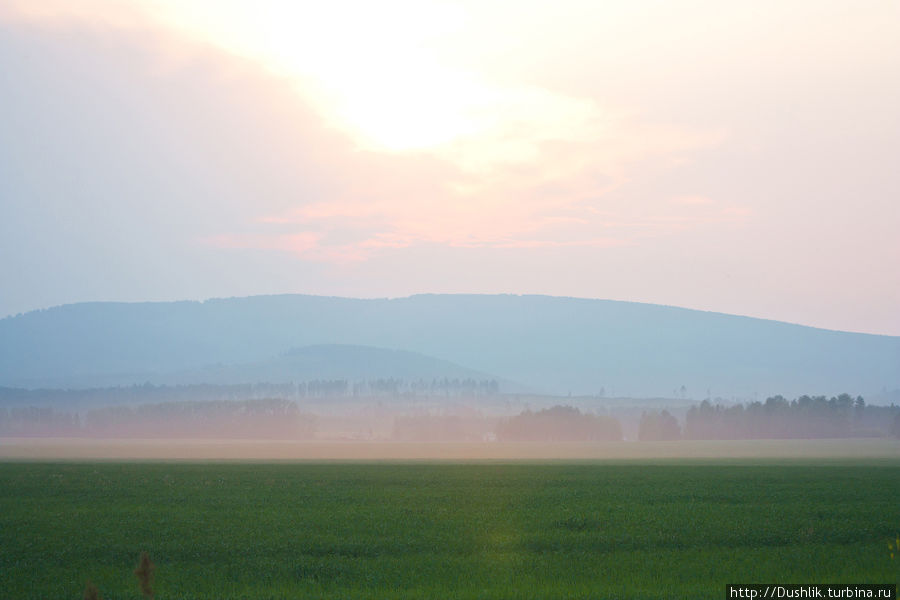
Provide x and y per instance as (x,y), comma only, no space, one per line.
(551,344)
(332,362)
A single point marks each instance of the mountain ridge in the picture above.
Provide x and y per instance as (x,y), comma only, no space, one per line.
(556,344)
(432,295)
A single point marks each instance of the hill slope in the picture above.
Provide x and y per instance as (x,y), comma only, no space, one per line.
(552,344)
(329,362)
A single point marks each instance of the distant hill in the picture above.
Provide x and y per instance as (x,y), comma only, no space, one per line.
(329,362)
(551,344)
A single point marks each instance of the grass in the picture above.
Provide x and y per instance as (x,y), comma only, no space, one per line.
(583,530)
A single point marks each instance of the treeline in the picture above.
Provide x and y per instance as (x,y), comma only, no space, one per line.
(559,424)
(804,417)
(556,424)
(421,387)
(147,393)
(436,428)
(206,392)
(260,419)
(39,421)
(660,426)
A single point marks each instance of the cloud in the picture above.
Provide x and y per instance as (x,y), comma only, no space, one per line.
(559,195)
(692,200)
(536,171)
(613,151)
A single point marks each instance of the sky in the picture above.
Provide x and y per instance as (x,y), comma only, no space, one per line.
(739,157)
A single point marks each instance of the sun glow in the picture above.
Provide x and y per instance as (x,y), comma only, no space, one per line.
(382,73)
(367,67)
(373,70)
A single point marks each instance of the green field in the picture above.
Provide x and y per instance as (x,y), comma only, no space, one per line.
(438,530)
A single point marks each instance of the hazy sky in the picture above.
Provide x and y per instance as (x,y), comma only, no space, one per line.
(741,157)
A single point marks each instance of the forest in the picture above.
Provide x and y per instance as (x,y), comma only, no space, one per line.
(777,418)
(279,417)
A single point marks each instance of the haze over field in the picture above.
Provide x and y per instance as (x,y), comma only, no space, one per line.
(225,216)
(733,157)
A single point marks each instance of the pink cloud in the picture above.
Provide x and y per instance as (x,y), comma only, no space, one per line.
(693,200)
(569,203)
(558,188)
(566,193)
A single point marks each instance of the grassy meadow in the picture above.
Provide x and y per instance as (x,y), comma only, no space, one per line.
(625,529)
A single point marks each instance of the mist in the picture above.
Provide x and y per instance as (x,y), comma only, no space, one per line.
(327,425)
